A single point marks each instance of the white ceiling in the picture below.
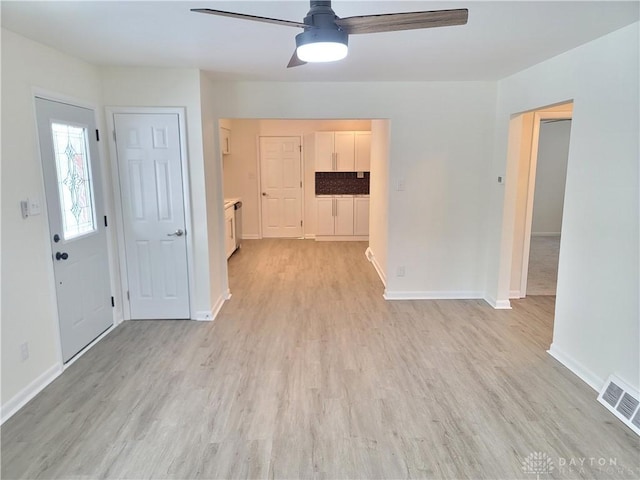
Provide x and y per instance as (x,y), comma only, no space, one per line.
(501,37)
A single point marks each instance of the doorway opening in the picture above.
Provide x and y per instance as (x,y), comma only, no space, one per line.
(257,158)
(542,169)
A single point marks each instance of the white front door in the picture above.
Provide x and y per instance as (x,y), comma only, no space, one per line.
(72,180)
(151,187)
(281,183)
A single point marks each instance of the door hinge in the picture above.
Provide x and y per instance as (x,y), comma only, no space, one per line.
(128,298)
(105,221)
(300,222)
(113,302)
(114,135)
(300,147)
(300,183)
(97,135)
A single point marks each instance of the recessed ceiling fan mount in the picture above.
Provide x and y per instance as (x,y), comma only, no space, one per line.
(325,37)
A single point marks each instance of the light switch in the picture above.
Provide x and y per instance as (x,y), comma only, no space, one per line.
(34,206)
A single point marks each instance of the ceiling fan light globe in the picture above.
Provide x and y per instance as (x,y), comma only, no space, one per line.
(322,52)
(322,45)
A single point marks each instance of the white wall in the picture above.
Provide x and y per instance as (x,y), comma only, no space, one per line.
(379,200)
(440,148)
(165,87)
(241,176)
(551,176)
(218,279)
(596,330)
(28,295)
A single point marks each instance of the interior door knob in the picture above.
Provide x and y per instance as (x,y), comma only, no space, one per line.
(264,194)
(62,256)
(177,233)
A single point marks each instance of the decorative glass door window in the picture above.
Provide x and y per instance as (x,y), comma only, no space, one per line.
(75,189)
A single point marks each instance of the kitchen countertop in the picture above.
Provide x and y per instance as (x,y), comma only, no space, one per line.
(229,202)
(343,195)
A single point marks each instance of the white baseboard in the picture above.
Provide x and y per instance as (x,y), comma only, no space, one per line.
(583,373)
(309,236)
(210,315)
(435,295)
(498,304)
(374,261)
(219,303)
(545,234)
(514,294)
(203,316)
(30,391)
(251,236)
(342,238)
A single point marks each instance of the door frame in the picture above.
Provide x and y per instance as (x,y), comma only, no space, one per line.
(37,92)
(538,117)
(259,182)
(117,197)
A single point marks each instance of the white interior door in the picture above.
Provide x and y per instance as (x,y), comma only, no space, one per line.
(281,183)
(150,170)
(71,169)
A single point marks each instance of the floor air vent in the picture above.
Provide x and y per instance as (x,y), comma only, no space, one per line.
(622,401)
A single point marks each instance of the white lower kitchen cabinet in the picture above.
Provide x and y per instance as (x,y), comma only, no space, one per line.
(338,218)
(230,230)
(326,219)
(361,216)
(344,216)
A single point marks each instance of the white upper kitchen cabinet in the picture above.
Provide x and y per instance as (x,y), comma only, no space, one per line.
(324,160)
(225,140)
(362,142)
(338,151)
(344,146)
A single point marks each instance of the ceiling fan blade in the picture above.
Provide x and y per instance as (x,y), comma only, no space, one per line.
(295,60)
(242,16)
(391,22)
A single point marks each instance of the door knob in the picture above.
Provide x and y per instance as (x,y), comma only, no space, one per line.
(62,256)
(177,233)
(264,194)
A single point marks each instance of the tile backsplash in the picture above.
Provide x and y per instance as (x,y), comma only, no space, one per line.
(341,183)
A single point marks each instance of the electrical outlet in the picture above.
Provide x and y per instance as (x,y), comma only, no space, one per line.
(400,185)
(24,351)
(400,271)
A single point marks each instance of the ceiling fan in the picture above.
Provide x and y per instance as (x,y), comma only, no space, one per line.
(326,35)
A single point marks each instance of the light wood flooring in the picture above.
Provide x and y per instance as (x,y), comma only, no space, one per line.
(309,373)
(542,276)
